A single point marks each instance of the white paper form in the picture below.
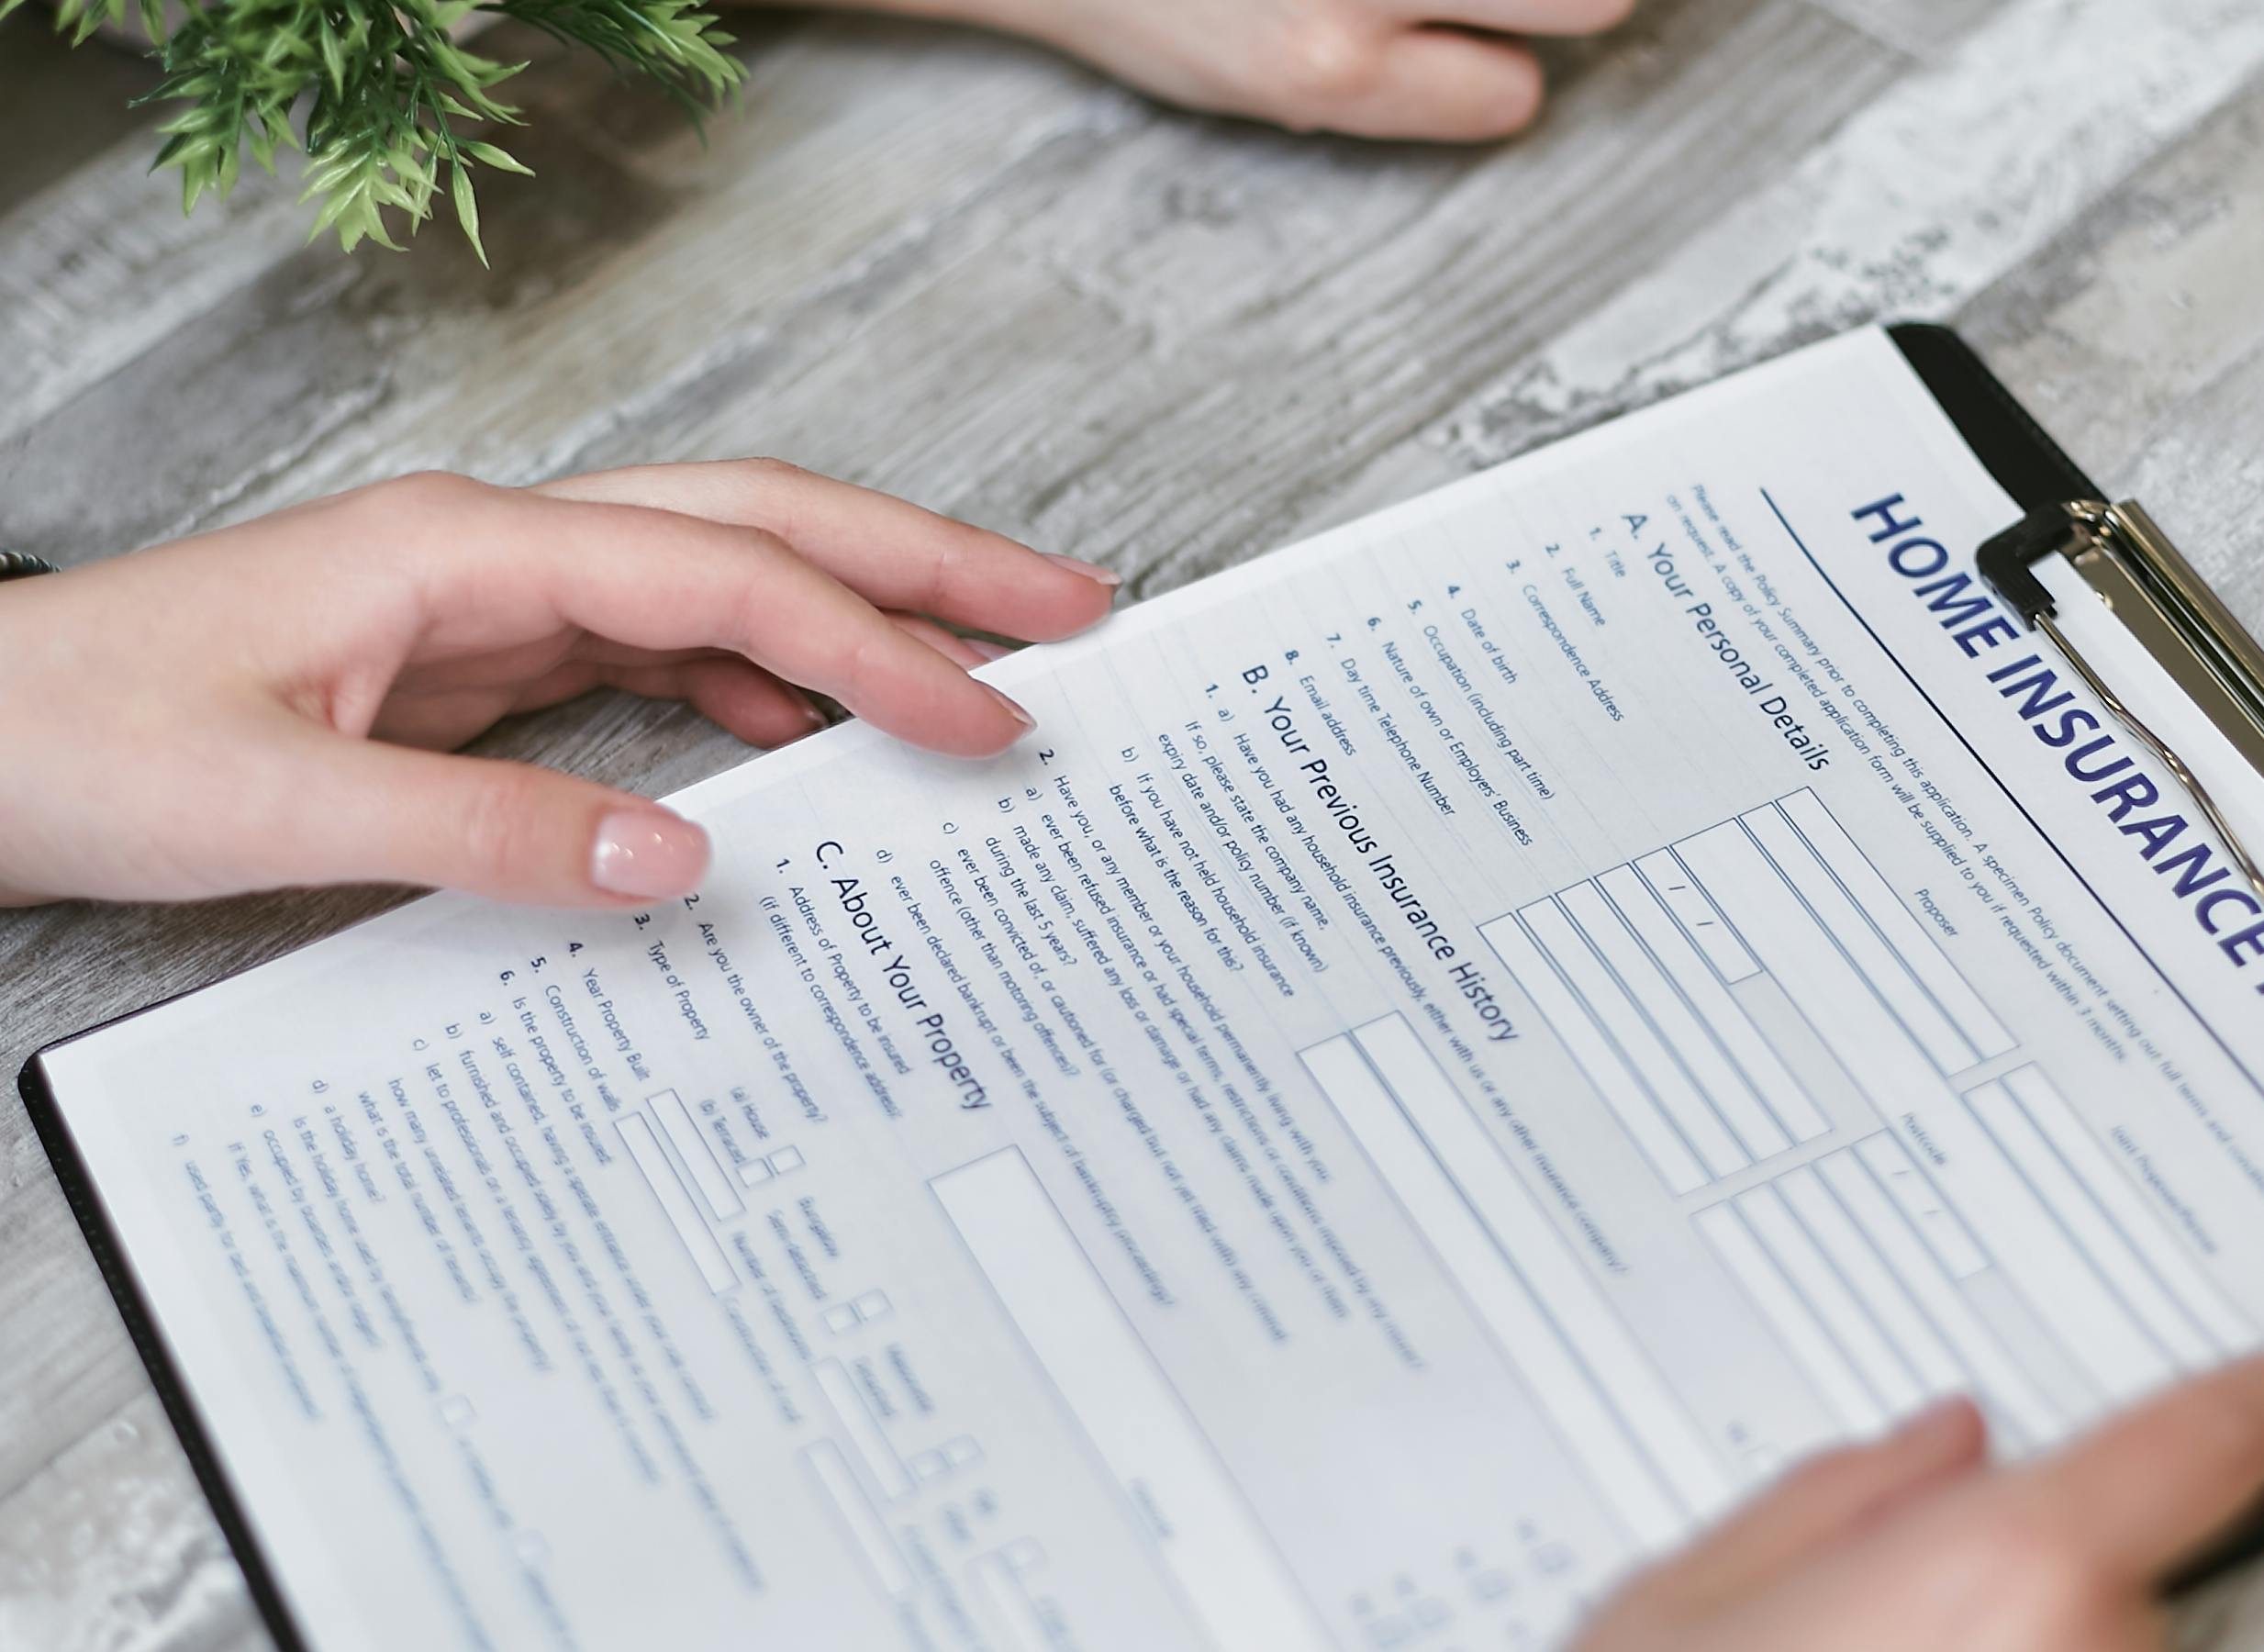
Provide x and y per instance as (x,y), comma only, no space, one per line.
(1455,1053)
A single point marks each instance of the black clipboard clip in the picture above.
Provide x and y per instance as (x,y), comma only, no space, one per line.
(2143,578)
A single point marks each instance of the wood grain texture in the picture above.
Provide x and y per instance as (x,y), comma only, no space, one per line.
(955,267)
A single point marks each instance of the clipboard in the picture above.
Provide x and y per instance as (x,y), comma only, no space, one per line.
(2141,578)
(2117,550)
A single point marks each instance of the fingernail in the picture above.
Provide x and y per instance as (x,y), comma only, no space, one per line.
(1018,714)
(648,853)
(1092,571)
(1940,1421)
(989,651)
(818,720)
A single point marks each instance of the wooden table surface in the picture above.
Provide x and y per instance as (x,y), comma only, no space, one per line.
(956,268)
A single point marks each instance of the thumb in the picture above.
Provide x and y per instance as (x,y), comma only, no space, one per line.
(371,812)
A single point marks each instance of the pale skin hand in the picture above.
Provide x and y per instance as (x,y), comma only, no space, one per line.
(1449,70)
(270,705)
(1917,1545)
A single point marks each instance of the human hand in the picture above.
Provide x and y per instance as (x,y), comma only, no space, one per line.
(1917,1544)
(1447,70)
(267,705)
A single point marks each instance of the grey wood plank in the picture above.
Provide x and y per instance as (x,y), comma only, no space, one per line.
(169,1583)
(2139,338)
(1927,30)
(1181,401)
(316,374)
(1928,196)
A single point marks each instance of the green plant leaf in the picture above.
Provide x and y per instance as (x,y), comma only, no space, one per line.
(501,160)
(467,209)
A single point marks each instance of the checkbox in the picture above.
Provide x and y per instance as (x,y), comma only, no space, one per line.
(961,1451)
(872,1305)
(841,1317)
(785,1159)
(754,1172)
(457,1412)
(1023,1554)
(930,1465)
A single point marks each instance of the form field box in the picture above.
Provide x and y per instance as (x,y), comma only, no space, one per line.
(858,1517)
(1617,1009)
(1584,1367)
(1716,1008)
(863,1429)
(1827,1292)
(2068,1264)
(1592,1049)
(1930,1214)
(699,1160)
(1910,939)
(645,1150)
(1851,930)
(1918,1265)
(1797,1327)
(2160,1252)
(1003,1585)
(1839,1236)
(1225,1564)
(1869,1042)
(1685,899)
(1659,998)
(2119,1260)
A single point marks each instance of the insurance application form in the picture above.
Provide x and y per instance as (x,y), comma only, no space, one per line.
(1455,1053)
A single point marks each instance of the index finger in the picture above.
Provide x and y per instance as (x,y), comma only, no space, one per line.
(889,551)
(1528,17)
(2149,1490)
(664,581)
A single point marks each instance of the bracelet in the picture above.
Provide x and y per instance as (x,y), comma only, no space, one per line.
(22,564)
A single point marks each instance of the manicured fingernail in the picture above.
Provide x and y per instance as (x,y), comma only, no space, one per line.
(1092,571)
(1018,714)
(989,651)
(648,853)
(1940,1421)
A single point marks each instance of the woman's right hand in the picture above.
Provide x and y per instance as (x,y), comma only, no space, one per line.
(1917,1544)
(273,703)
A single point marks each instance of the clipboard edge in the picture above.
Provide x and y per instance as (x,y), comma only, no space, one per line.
(2026,460)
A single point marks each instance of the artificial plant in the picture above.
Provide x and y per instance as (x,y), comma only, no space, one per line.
(381,95)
